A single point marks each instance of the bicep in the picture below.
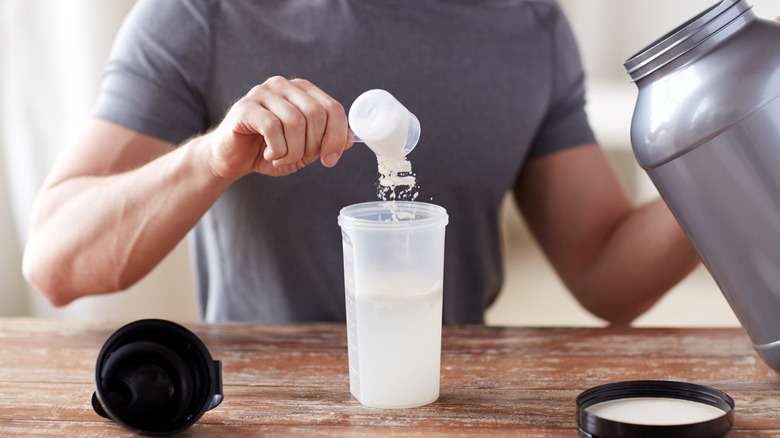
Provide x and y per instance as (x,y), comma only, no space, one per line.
(103,148)
(571,200)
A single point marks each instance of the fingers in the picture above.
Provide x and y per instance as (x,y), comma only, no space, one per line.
(333,141)
(297,120)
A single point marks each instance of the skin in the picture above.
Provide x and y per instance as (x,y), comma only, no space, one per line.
(126,199)
(616,259)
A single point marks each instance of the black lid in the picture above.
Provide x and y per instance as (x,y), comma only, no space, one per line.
(591,425)
(155,377)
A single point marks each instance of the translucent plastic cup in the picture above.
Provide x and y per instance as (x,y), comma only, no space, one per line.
(393,273)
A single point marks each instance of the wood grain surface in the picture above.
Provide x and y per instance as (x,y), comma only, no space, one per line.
(292,380)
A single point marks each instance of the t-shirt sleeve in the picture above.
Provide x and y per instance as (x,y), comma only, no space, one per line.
(153,79)
(566,123)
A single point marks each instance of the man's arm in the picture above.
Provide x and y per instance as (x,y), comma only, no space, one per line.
(118,201)
(616,259)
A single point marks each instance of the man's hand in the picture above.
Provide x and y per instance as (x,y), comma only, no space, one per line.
(278,128)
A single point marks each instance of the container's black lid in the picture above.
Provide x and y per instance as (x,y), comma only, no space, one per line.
(155,377)
(591,426)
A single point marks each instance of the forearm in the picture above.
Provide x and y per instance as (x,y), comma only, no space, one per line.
(118,200)
(97,234)
(645,254)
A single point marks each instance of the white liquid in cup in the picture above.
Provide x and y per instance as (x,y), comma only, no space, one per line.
(655,411)
(399,349)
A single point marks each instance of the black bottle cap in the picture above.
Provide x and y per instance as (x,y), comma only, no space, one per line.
(591,425)
(155,377)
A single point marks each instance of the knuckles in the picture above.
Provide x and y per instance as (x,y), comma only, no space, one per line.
(296,120)
(332,107)
(250,114)
(270,124)
(318,114)
(275,82)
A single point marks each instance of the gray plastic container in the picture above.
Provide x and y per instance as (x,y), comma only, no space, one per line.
(706,128)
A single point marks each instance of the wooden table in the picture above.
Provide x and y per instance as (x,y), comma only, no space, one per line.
(292,380)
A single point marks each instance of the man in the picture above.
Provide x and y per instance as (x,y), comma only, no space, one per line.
(183,135)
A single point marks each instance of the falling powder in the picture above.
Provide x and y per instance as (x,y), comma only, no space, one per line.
(396,180)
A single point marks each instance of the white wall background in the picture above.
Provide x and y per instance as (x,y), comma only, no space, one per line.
(51,57)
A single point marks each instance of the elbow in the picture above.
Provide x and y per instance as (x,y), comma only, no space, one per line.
(618,308)
(56,299)
(45,279)
(619,318)
(62,279)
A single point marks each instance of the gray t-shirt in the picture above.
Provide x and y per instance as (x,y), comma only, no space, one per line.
(494,83)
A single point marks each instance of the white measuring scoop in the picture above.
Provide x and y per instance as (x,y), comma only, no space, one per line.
(381,122)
